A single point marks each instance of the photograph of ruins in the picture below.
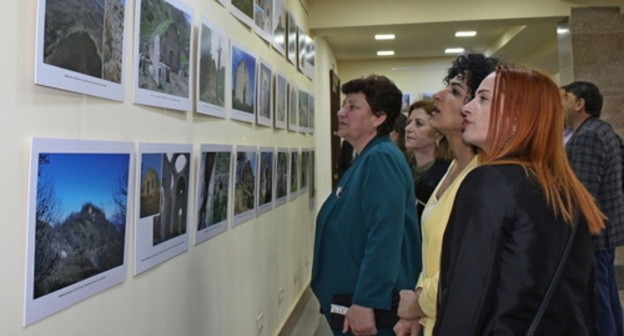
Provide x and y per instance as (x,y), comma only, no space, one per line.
(80,46)
(265,93)
(293,104)
(213,58)
(281,176)
(213,190)
(291,40)
(305,171)
(303,110)
(164,47)
(77,222)
(243,10)
(245,184)
(243,85)
(81,217)
(85,36)
(294,174)
(263,19)
(265,180)
(279,26)
(281,100)
(163,203)
(164,193)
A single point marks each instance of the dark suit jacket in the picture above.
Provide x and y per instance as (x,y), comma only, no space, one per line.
(500,250)
(367,238)
(595,153)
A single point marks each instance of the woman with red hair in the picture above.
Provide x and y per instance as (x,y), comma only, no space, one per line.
(517,252)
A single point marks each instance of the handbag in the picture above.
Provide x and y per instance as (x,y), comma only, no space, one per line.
(553,283)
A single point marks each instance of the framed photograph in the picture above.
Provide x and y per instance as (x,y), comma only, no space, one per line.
(245,184)
(243,84)
(312,179)
(405,102)
(265,180)
(264,94)
(243,11)
(163,203)
(279,26)
(291,40)
(309,58)
(263,19)
(293,191)
(293,104)
(162,60)
(213,191)
(303,111)
(81,49)
(213,54)
(281,176)
(302,38)
(311,114)
(77,240)
(304,176)
(281,101)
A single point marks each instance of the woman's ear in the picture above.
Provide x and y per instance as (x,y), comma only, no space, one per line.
(379,119)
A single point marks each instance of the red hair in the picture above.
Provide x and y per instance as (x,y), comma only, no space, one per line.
(526,128)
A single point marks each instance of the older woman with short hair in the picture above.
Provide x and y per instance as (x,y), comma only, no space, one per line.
(367,243)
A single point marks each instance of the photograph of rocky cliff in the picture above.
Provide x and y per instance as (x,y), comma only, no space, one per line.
(164,48)
(85,36)
(80,217)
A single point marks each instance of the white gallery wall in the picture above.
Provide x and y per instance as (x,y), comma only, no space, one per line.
(245,281)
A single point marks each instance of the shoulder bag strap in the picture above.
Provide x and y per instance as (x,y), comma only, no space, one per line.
(553,283)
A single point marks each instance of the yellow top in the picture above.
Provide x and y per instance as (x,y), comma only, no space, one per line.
(434,219)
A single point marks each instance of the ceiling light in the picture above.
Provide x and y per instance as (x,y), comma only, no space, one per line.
(467,33)
(385,53)
(562,31)
(454,50)
(384,37)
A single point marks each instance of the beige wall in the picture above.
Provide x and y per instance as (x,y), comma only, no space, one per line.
(219,287)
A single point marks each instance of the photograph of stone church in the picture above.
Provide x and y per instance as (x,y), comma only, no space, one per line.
(245,182)
(164,193)
(243,81)
(164,48)
(85,36)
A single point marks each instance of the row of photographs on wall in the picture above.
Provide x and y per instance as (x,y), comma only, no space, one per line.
(80,192)
(80,48)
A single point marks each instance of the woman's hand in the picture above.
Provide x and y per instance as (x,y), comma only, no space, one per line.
(360,320)
(407,327)
(408,304)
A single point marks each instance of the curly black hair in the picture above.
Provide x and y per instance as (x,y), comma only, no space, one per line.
(474,67)
(382,95)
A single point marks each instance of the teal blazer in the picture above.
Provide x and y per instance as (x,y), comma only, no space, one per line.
(367,239)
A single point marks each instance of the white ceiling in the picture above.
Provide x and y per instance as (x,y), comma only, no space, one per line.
(531,40)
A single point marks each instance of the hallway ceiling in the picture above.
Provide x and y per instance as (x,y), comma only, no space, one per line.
(532,41)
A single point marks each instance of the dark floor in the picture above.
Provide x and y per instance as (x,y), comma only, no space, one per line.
(310,323)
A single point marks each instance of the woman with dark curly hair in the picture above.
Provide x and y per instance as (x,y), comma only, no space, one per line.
(417,307)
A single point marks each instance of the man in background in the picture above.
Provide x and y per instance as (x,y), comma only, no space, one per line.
(595,152)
